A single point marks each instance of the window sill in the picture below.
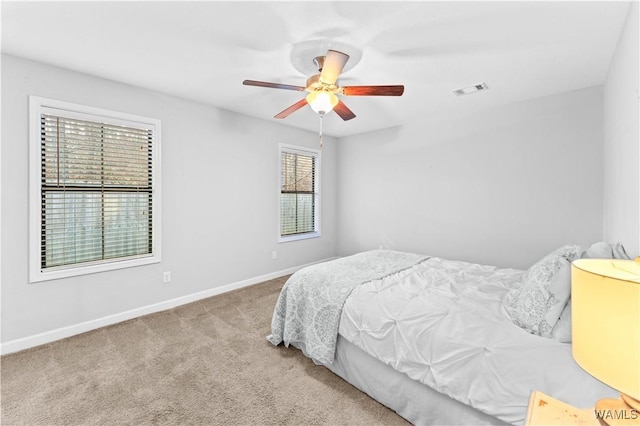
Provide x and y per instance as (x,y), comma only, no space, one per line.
(54,274)
(298,237)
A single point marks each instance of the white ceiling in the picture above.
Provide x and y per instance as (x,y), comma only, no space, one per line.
(203,50)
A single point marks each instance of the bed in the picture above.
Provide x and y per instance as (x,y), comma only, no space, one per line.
(441,341)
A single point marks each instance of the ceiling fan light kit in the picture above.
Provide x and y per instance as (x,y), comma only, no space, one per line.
(321,97)
(322,101)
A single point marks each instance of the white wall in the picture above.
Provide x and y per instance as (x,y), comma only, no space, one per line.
(502,187)
(220,194)
(622,140)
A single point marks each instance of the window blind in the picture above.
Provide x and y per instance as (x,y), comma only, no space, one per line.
(96,189)
(297,194)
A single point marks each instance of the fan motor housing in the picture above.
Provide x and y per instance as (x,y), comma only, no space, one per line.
(315,84)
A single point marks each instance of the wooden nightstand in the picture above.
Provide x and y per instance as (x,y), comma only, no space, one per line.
(547,411)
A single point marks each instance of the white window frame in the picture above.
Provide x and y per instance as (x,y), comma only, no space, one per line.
(317,200)
(38,106)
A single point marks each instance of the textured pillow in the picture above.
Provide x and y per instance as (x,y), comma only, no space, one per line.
(536,305)
(602,250)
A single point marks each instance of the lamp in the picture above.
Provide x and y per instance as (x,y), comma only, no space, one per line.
(605,306)
(322,101)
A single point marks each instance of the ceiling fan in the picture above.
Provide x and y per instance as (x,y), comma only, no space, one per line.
(323,88)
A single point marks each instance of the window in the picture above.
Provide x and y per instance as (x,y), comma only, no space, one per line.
(94,190)
(299,193)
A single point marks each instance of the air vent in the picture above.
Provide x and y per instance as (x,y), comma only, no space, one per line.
(471,89)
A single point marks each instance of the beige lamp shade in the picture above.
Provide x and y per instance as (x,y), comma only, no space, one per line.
(605,308)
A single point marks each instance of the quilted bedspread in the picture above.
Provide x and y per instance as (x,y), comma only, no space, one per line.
(441,323)
(310,304)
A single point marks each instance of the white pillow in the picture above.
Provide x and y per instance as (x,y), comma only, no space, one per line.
(536,305)
(603,250)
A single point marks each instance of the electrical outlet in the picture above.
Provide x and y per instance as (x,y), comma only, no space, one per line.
(274,254)
(166,277)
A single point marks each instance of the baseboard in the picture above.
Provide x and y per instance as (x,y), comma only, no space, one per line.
(72,330)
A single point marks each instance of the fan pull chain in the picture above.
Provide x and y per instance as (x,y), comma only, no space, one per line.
(320,134)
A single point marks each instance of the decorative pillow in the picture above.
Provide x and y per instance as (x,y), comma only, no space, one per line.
(602,250)
(536,305)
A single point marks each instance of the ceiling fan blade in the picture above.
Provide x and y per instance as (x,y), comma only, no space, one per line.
(396,90)
(293,108)
(272,85)
(332,67)
(343,111)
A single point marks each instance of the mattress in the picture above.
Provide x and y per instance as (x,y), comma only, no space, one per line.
(417,403)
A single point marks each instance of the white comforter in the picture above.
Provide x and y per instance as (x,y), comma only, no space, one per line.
(440,322)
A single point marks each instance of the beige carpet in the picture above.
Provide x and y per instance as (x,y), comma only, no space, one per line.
(205,363)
